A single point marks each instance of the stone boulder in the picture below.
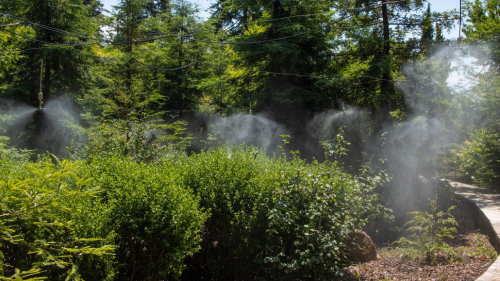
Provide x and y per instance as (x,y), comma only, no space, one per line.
(362,247)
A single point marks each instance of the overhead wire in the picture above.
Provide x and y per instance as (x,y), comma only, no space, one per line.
(115,43)
(108,41)
(473,79)
(48,43)
(103,40)
(193,62)
(252,70)
(189,39)
(155,67)
(10,24)
(262,41)
(319,14)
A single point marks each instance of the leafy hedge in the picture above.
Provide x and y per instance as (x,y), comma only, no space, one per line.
(279,218)
(234,186)
(478,159)
(220,214)
(39,206)
(154,222)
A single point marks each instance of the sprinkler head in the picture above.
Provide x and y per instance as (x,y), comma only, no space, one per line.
(40,101)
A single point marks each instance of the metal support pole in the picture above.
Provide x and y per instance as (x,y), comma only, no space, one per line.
(40,94)
(459,40)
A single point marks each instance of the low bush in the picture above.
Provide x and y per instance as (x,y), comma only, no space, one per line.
(154,222)
(478,159)
(39,211)
(310,219)
(141,140)
(221,214)
(234,185)
(274,217)
(428,231)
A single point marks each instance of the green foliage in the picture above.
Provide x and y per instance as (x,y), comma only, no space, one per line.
(9,53)
(234,185)
(483,19)
(481,251)
(9,152)
(39,205)
(144,209)
(479,158)
(219,214)
(250,215)
(310,219)
(287,216)
(478,248)
(429,231)
(143,141)
(65,67)
(336,148)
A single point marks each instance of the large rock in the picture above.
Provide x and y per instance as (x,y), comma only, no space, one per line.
(362,247)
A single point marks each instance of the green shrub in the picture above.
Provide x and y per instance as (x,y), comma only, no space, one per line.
(142,140)
(153,220)
(221,214)
(310,219)
(234,186)
(481,251)
(39,206)
(429,230)
(16,155)
(269,221)
(479,159)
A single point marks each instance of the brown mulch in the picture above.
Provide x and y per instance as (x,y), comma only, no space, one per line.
(391,266)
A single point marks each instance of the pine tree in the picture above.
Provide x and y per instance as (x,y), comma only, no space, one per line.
(64,66)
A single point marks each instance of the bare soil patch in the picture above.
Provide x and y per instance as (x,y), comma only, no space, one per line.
(472,256)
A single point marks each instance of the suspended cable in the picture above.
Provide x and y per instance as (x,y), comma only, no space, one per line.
(98,40)
(272,40)
(250,70)
(155,67)
(177,35)
(193,62)
(260,41)
(48,43)
(10,24)
(473,79)
(47,27)
(153,39)
(318,14)
(108,41)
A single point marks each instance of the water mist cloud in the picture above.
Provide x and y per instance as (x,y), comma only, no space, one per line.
(258,130)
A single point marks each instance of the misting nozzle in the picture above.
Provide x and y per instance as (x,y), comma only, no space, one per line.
(40,101)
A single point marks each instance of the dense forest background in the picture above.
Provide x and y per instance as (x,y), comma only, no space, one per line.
(149,105)
(286,60)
